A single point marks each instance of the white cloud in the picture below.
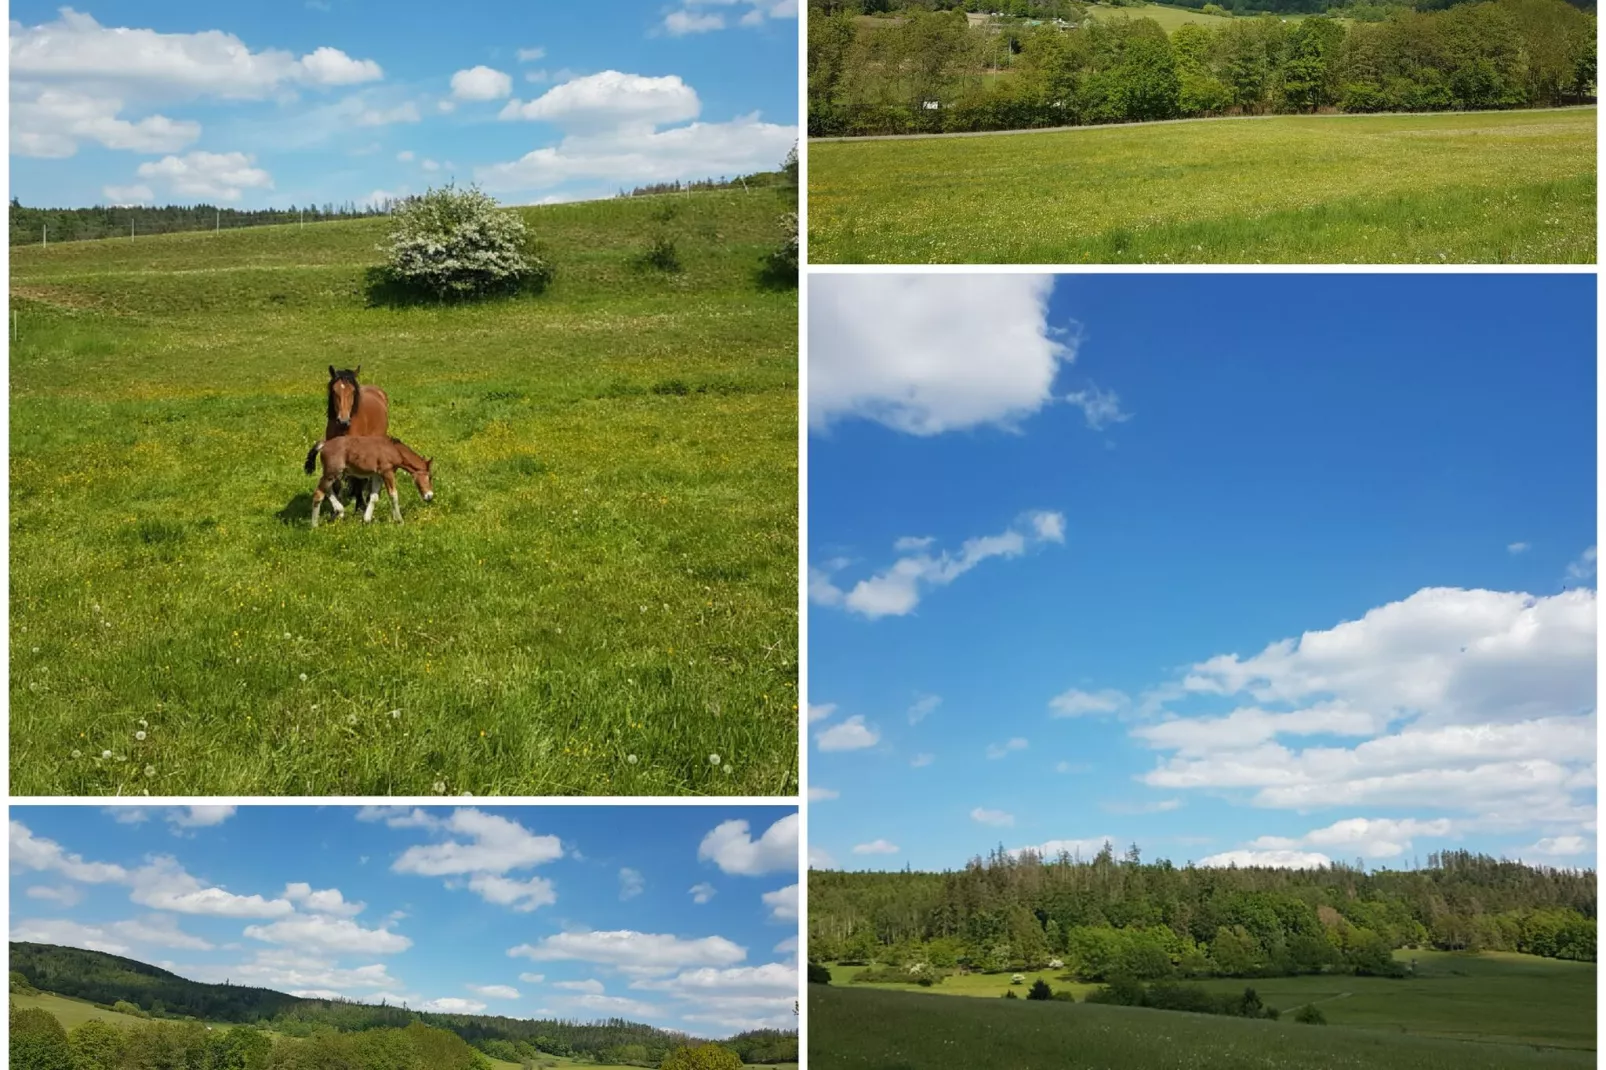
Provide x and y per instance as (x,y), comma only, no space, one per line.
(614,1006)
(997,818)
(1100,408)
(325,901)
(39,854)
(592,985)
(819,794)
(400,817)
(116,938)
(897,589)
(303,969)
(821,712)
(1583,568)
(481,83)
(405,156)
(743,997)
(65,894)
(208,175)
(494,991)
(922,760)
(925,705)
(1560,847)
(494,845)
(610,100)
(852,734)
(820,858)
(631,883)
(532,978)
(1077,703)
(641,154)
(53,122)
(730,847)
(1518,547)
(1366,837)
(406,112)
(329,933)
(163,884)
(782,903)
(330,66)
(680,23)
(530,55)
(924,354)
(636,953)
(521,896)
(1480,701)
(875,847)
(452,1005)
(191,817)
(702,893)
(1000,750)
(1076,848)
(1275,859)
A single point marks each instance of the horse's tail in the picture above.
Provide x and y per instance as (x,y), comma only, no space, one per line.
(312,458)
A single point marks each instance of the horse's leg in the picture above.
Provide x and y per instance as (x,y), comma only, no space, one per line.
(395,499)
(373,496)
(317,503)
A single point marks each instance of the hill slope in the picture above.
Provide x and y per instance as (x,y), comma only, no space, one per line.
(867,1028)
(601,596)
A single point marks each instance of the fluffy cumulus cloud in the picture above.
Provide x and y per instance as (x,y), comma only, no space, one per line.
(41,855)
(702,893)
(897,589)
(323,901)
(731,847)
(75,81)
(635,953)
(925,354)
(481,83)
(705,16)
(1476,702)
(163,884)
(1078,703)
(478,851)
(1087,847)
(620,127)
(631,883)
(329,933)
(737,998)
(1356,837)
(782,903)
(452,1005)
(495,991)
(851,734)
(302,971)
(874,847)
(996,818)
(195,817)
(215,176)
(115,938)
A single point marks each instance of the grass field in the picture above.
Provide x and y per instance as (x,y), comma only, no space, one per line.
(1481,187)
(1168,17)
(602,596)
(861,1028)
(1491,997)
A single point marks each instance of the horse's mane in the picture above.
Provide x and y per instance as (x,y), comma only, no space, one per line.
(356,391)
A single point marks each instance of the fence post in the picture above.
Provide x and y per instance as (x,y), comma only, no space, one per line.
(45,235)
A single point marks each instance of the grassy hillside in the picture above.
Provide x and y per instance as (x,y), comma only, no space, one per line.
(1490,996)
(864,1028)
(72,1013)
(601,597)
(1489,187)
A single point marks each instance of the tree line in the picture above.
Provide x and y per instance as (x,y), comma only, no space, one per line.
(930,72)
(1108,918)
(29,226)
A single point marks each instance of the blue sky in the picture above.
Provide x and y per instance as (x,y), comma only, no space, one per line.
(269,104)
(1240,568)
(682,916)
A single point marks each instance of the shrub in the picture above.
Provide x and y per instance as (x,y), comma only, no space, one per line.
(455,243)
(780,264)
(21,985)
(702,1057)
(122,1006)
(1310,1014)
(818,974)
(1040,990)
(1009,993)
(38,1042)
(661,254)
(96,1044)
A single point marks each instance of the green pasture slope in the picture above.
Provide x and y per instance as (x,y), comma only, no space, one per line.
(601,598)
(870,1029)
(1473,187)
(72,1013)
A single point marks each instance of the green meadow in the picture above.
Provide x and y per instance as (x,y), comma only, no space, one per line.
(1477,1011)
(1497,997)
(601,598)
(1474,187)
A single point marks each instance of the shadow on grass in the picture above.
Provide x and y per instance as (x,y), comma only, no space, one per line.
(298,510)
(382,289)
(777,273)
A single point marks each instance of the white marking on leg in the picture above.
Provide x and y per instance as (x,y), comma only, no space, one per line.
(368,514)
(317,503)
(395,505)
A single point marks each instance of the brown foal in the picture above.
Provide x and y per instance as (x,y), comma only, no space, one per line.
(353,409)
(372,458)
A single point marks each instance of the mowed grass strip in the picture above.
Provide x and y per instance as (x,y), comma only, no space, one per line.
(601,599)
(862,1028)
(1481,187)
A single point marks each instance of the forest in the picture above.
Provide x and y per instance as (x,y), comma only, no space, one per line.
(31,226)
(931,72)
(142,990)
(1120,918)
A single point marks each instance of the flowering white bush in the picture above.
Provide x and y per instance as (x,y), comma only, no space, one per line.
(457,243)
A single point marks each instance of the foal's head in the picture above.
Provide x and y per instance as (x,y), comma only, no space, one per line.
(344,394)
(426,489)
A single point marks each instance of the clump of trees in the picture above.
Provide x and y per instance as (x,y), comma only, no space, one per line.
(702,1057)
(933,72)
(1171,996)
(451,243)
(1108,918)
(29,225)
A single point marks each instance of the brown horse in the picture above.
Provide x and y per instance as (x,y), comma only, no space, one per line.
(371,458)
(353,409)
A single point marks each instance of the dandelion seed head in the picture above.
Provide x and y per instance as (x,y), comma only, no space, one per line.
(713,759)
(140,736)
